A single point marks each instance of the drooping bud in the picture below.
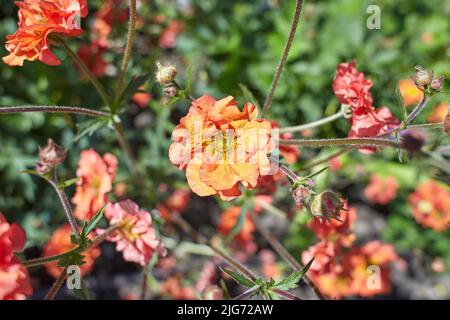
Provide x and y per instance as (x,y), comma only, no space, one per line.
(50,157)
(327,205)
(413,140)
(170,90)
(422,78)
(437,83)
(302,196)
(165,74)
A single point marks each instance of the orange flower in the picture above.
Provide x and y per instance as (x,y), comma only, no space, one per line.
(38,20)
(177,202)
(174,289)
(381,191)
(221,147)
(96,175)
(410,93)
(59,243)
(439,113)
(228,221)
(340,232)
(14,279)
(430,205)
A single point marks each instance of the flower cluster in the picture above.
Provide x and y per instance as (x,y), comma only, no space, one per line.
(14,279)
(381,190)
(430,205)
(135,236)
(60,242)
(39,20)
(341,270)
(96,175)
(352,89)
(221,147)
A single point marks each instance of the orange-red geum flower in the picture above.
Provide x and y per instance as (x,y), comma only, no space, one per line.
(96,175)
(430,205)
(381,190)
(14,279)
(38,20)
(221,147)
(60,242)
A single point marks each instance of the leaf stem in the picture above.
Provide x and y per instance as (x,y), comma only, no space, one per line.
(362,142)
(283,59)
(53,109)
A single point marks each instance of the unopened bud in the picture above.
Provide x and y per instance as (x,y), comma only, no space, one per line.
(327,205)
(170,90)
(437,83)
(413,140)
(422,78)
(50,156)
(165,74)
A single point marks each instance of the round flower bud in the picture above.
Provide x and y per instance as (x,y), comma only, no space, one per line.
(50,156)
(165,74)
(170,90)
(437,84)
(422,78)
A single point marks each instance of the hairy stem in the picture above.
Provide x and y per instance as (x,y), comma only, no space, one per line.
(144,284)
(362,142)
(189,230)
(417,110)
(53,109)
(129,158)
(283,59)
(98,86)
(313,124)
(56,286)
(286,295)
(128,48)
(278,247)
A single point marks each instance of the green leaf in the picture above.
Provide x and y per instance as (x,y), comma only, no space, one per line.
(291,281)
(399,97)
(133,87)
(249,95)
(242,280)
(83,292)
(226,293)
(93,222)
(89,127)
(64,184)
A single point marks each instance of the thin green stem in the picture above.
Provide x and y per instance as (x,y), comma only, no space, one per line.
(328,158)
(247,293)
(129,158)
(283,59)
(313,124)
(128,49)
(278,247)
(98,86)
(362,142)
(53,109)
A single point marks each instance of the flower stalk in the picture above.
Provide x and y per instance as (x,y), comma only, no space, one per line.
(56,286)
(283,59)
(53,109)
(361,142)
(314,124)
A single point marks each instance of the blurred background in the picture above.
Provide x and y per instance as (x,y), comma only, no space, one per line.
(231,48)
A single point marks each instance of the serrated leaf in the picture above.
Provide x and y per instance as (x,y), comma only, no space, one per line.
(64,184)
(172,101)
(242,280)
(89,127)
(93,222)
(249,95)
(291,281)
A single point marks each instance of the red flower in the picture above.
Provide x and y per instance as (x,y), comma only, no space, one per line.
(169,36)
(430,205)
(323,253)
(14,279)
(112,12)
(96,175)
(135,237)
(60,242)
(351,87)
(228,221)
(381,191)
(369,122)
(92,55)
(39,19)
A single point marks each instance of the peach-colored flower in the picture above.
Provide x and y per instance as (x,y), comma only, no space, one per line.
(14,278)
(142,99)
(340,232)
(221,147)
(439,113)
(228,221)
(410,93)
(96,175)
(60,242)
(323,253)
(38,20)
(381,190)
(430,205)
(135,237)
